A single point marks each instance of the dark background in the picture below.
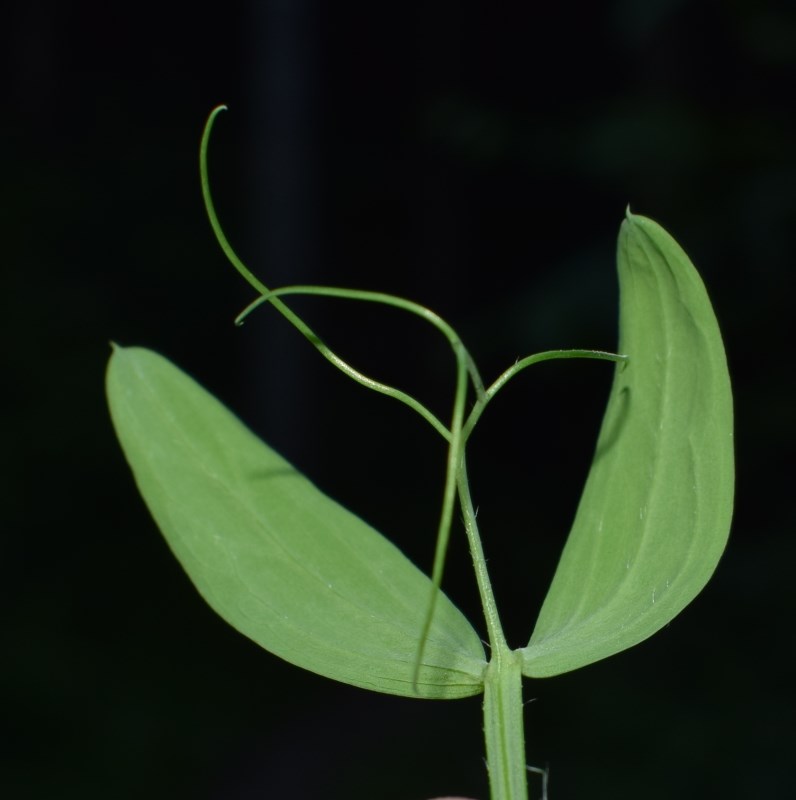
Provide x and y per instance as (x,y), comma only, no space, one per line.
(477,159)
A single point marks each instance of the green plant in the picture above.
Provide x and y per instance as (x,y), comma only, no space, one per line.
(314,584)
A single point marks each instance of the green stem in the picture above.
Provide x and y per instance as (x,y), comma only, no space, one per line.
(497,640)
(503,719)
(503,727)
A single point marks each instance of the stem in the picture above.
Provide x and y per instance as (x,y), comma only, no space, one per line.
(497,640)
(503,727)
(503,719)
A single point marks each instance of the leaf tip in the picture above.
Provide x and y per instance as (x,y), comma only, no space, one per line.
(630,217)
(116,352)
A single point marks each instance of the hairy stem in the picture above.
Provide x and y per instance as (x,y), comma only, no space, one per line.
(503,727)
(503,719)
(497,640)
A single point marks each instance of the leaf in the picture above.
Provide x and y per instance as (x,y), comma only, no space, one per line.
(655,513)
(277,559)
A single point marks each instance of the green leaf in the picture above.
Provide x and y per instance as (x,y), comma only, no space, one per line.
(276,558)
(655,513)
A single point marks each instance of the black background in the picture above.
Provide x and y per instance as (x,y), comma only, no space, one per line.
(478,159)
